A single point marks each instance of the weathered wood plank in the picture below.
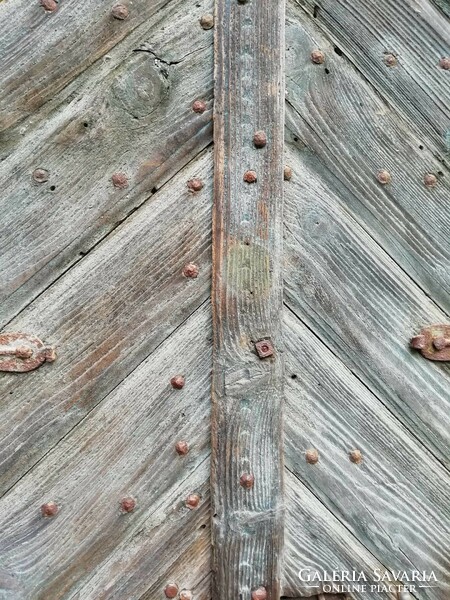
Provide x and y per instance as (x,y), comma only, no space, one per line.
(396,501)
(125,447)
(247,297)
(340,118)
(361,304)
(131,113)
(416,86)
(317,540)
(106,315)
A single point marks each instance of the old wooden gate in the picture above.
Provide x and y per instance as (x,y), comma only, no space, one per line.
(334,466)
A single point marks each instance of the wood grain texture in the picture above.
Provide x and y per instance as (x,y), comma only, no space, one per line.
(126,446)
(396,501)
(106,315)
(130,112)
(338,116)
(417,33)
(317,540)
(361,304)
(247,297)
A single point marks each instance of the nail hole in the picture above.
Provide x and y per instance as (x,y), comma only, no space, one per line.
(295,139)
(420,147)
(327,71)
(53,188)
(154,190)
(316,11)
(440,173)
(338,51)
(293,376)
(203,526)
(85,124)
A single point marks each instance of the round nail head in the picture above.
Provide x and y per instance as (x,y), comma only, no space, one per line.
(171,590)
(49,5)
(192,501)
(177,382)
(41,175)
(199,106)
(247,480)
(128,504)
(190,270)
(195,185)
(287,173)
(317,57)
(260,139)
(430,180)
(250,176)
(49,509)
(390,60)
(207,21)
(186,595)
(120,180)
(312,456)
(444,63)
(120,11)
(182,448)
(355,456)
(383,177)
(259,594)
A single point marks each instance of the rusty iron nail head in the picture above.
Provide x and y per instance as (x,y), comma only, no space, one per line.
(120,180)
(287,173)
(441,342)
(317,57)
(207,21)
(192,501)
(384,177)
(195,185)
(430,180)
(177,382)
(186,595)
(199,106)
(49,5)
(250,176)
(190,270)
(128,504)
(171,590)
(390,60)
(418,342)
(312,456)
(264,348)
(444,63)
(40,175)
(355,456)
(182,448)
(49,509)
(259,594)
(260,139)
(247,480)
(120,11)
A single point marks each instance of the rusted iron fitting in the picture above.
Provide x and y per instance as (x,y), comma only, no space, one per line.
(171,590)
(119,180)
(390,60)
(430,180)
(120,11)
(433,342)
(355,456)
(247,480)
(207,21)
(128,504)
(177,382)
(21,352)
(195,185)
(193,501)
(259,594)
(191,270)
(317,57)
(49,5)
(199,106)
(186,595)
(49,509)
(182,448)
(250,176)
(312,456)
(287,173)
(264,348)
(41,175)
(260,139)
(384,177)
(444,63)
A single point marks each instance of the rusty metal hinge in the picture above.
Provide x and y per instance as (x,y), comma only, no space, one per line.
(21,352)
(433,342)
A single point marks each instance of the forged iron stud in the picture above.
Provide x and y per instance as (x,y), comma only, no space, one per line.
(182,448)
(247,480)
(430,180)
(264,348)
(312,456)
(49,5)
(186,595)
(190,270)
(260,139)
(128,504)
(192,501)
(355,456)
(199,106)
(287,173)
(250,176)
(390,60)
(49,509)
(417,342)
(171,590)
(259,594)
(195,185)
(207,21)
(177,382)
(318,57)
(444,63)
(384,177)
(120,180)
(41,175)
(120,11)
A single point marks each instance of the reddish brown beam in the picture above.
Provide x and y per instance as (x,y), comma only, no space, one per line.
(247,453)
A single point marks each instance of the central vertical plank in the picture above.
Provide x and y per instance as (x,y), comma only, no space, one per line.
(247,394)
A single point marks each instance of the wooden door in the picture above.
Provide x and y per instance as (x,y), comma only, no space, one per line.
(330,435)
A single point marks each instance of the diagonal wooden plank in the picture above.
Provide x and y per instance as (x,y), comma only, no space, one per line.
(131,114)
(125,447)
(316,540)
(106,315)
(341,119)
(247,295)
(417,34)
(378,500)
(358,301)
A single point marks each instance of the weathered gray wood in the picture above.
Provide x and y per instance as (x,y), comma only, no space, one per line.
(126,446)
(315,538)
(130,112)
(106,315)
(358,301)
(342,119)
(417,86)
(396,502)
(247,297)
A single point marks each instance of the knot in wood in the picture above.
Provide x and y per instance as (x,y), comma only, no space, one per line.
(250,176)
(444,63)
(128,504)
(177,382)
(120,11)
(192,501)
(49,509)
(247,480)
(259,594)
(171,590)
(355,456)
(199,106)
(120,180)
(260,139)
(207,21)
(430,180)
(195,185)
(40,175)
(312,456)
(49,5)
(190,270)
(182,448)
(384,177)
(317,57)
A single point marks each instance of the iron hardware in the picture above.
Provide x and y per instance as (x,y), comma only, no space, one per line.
(433,342)
(21,352)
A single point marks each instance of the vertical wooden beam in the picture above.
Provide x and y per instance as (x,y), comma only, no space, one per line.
(247,300)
